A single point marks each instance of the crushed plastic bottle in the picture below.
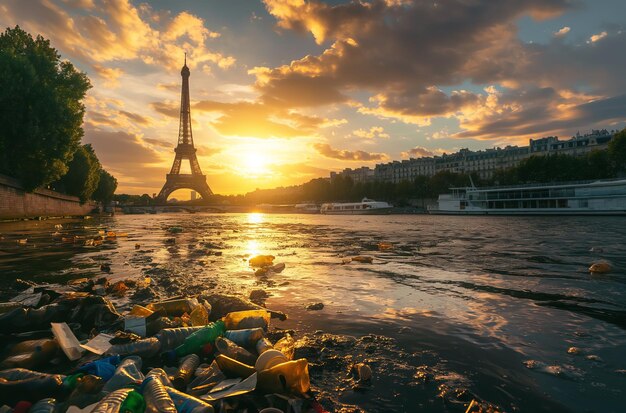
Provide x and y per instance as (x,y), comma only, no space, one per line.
(232,367)
(286,345)
(161,375)
(188,404)
(240,320)
(128,373)
(144,348)
(156,397)
(175,308)
(112,403)
(185,371)
(232,350)
(288,377)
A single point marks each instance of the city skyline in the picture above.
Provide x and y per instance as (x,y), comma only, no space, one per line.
(284,91)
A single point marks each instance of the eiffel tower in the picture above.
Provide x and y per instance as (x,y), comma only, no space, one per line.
(185,150)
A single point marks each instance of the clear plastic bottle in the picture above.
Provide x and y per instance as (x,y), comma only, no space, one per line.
(156,397)
(232,350)
(185,371)
(188,404)
(22,384)
(128,373)
(173,337)
(160,374)
(245,338)
(31,353)
(44,406)
(112,403)
(144,348)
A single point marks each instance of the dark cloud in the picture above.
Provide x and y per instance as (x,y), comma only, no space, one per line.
(418,152)
(136,118)
(167,109)
(345,155)
(119,148)
(405,52)
(158,142)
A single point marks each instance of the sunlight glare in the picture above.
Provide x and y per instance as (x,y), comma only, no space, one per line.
(255,218)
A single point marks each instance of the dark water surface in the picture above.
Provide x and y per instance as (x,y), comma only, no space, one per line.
(490,304)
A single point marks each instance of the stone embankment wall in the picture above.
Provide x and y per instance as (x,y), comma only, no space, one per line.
(15,203)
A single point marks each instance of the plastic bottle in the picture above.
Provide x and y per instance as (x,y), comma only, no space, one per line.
(175,308)
(156,397)
(245,338)
(22,384)
(44,406)
(144,348)
(188,404)
(134,403)
(31,353)
(160,374)
(197,340)
(112,402)
(199,316)
(185,371)
(288,377)
(232,367)
(173,337)
(239,320)
(286,345)
(232,350)
(263,345)
(88,391)
(104,368)
(128,373)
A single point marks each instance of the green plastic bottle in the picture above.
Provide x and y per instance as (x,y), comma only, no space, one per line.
(195,342)
(134,403)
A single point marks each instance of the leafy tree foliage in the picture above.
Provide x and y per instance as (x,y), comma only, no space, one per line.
(106,187)
(617,151)
(83,176)
(41,112)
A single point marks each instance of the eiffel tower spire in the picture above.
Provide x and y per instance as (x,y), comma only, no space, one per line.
(185,150)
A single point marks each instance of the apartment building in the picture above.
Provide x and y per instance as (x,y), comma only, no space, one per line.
(484,162)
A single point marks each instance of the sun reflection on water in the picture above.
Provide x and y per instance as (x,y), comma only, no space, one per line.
(256,218)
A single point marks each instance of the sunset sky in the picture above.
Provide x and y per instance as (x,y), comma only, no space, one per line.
(284,91)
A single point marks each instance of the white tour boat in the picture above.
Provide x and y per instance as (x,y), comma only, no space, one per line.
(365,207)
(603,197)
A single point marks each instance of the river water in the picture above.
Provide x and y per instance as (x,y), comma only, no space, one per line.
(487,304)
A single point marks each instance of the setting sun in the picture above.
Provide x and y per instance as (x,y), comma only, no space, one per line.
(255,163)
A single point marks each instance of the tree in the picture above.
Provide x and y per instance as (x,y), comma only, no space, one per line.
(617,151)
(83,176)
(106,187)
(41,110)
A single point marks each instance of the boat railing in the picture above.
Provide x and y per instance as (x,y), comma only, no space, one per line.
(543,184)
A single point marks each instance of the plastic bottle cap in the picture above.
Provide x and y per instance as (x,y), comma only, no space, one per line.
(268,359)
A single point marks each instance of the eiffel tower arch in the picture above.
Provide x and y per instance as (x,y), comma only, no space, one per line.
(185,151)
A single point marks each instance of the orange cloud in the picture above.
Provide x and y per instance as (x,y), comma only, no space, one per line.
(326,150)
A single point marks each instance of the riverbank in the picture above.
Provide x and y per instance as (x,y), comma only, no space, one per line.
(445,315)
(15,203)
